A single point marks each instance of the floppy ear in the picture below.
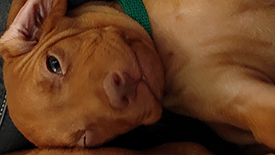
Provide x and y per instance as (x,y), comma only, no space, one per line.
(16,5)
(22,34)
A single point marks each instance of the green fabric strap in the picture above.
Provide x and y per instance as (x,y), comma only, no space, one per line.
(136,10)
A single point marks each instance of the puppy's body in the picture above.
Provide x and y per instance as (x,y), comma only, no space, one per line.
(218,59)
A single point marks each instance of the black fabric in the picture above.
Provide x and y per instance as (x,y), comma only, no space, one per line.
(175,128)
(74,3)
(10,138)
(4,10)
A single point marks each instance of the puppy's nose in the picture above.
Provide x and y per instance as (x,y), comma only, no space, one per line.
(120,89)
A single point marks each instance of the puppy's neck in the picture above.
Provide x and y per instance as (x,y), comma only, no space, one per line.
(133,8)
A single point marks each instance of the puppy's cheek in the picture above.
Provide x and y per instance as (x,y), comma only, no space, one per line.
(152,108)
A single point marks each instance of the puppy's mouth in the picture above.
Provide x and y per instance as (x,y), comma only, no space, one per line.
(147,75)
(83,141)
(87,139)
(154,93)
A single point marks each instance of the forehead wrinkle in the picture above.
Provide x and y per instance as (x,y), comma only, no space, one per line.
(88,47)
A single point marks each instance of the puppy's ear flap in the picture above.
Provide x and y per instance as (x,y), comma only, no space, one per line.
(16,5)
(22,34)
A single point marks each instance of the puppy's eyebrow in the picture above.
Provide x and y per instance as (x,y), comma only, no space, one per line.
(57,52)
(60,54)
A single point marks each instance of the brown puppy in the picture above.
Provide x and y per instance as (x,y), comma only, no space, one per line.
(76,82)
(72,82)
(219,64)
(218,59)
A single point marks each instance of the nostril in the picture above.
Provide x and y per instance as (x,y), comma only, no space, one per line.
(120,89)
(125,100)
(117,79)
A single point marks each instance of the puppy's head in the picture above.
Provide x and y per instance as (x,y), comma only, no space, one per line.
(81,79)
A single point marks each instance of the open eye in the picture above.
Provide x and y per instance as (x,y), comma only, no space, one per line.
(53,65)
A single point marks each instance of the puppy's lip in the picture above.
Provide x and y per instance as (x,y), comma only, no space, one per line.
(82,141)
(147,76)
(87,139)
(90,138)
(149,85)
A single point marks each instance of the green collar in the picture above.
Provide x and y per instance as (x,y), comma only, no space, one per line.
(136,10)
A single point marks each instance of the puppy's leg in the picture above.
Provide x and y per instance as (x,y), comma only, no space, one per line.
(180,148)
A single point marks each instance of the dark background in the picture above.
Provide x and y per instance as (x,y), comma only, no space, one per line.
(10,137)
(4,9)
(171,128)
